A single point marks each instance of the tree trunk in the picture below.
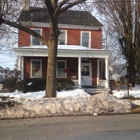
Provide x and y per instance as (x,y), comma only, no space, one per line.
(132,75)
(51,69)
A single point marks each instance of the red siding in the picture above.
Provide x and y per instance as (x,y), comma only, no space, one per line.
(73,37)
(96,39)
(23,39)
(46,32)
(27,66)
(94,71)
(72,67)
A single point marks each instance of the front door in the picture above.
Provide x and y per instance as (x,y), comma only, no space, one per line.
(86,74)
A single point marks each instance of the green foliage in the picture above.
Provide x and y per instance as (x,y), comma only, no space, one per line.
(31,85)
(131,97)
(39,84)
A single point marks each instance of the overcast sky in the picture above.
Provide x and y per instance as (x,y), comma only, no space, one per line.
(7,61)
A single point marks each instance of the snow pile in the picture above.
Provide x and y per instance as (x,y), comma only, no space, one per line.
(135,92)
(82,104)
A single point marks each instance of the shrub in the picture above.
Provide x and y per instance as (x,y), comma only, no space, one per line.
(9,84)
(64,84)
(38,84)
(12,78)
(31,85)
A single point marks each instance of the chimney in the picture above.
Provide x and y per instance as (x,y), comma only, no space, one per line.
(25,5)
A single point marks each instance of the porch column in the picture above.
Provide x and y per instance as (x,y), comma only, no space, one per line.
(106,73)
(20,66)
(98,72)
(79,72)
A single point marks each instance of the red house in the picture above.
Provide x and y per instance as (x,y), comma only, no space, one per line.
(80,54)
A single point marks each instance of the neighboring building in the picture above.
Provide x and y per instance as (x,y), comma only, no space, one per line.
(79,51)
(118,71)
(4,74)
(1,69)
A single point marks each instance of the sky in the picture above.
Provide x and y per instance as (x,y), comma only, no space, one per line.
(7,61)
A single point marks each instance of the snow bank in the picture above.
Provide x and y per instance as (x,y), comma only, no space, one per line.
(103,103)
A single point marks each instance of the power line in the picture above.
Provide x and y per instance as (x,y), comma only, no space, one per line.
(7,61)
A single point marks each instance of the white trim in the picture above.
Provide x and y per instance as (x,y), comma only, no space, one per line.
(65,61)
(68,26)
(87,79)
(65,36)
(31,37)
(43,52)
(106,73)
(79,71)
(40,76)
(89,45)
(98,72)
(21,66)
(22,70)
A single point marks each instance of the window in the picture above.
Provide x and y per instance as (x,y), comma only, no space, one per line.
(85,39)
(62,39)
(85,71)
(61,69)
(35,41)
(36,68)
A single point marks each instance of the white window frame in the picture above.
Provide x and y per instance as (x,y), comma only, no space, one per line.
(65,43)
(31,37)
(65,76)
(31,76)
(89,45)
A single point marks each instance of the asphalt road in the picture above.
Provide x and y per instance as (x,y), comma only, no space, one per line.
(112,127)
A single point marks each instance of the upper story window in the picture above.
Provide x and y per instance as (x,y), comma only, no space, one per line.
(62,39)
(35,41)
(85,39)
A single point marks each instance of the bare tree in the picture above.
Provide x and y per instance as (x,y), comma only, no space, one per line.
(10,11)
(110,43)
(123,19)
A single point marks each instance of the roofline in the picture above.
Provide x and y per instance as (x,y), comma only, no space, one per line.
(43,52)
(69,26)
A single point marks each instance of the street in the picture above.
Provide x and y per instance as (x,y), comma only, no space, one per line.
(110,127)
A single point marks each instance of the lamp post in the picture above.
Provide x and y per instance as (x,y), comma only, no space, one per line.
(127,65)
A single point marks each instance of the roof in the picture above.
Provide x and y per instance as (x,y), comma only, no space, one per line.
(1,68)
(63,51)
(36,14)
(62,47)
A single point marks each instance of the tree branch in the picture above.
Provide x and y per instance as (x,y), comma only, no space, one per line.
(70,5)
(27,30)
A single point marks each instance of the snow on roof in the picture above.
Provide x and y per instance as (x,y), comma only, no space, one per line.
(61,47)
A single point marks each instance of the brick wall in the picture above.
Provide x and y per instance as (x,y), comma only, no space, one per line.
(72,67)
(73,37)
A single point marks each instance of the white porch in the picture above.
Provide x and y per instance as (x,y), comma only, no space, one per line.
(69,51)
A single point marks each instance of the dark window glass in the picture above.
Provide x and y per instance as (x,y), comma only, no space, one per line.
(35,41)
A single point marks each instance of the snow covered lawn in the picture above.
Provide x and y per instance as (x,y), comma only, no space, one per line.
(74,102)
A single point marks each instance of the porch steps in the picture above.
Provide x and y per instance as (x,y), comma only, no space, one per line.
(95,90)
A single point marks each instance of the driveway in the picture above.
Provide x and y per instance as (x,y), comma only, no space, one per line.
(112,127)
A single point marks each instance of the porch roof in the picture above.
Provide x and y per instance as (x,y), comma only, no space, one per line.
(63,51)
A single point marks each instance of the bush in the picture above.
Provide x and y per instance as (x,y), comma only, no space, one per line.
(38,84)
(64,84)
(9,84)
(31,85)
